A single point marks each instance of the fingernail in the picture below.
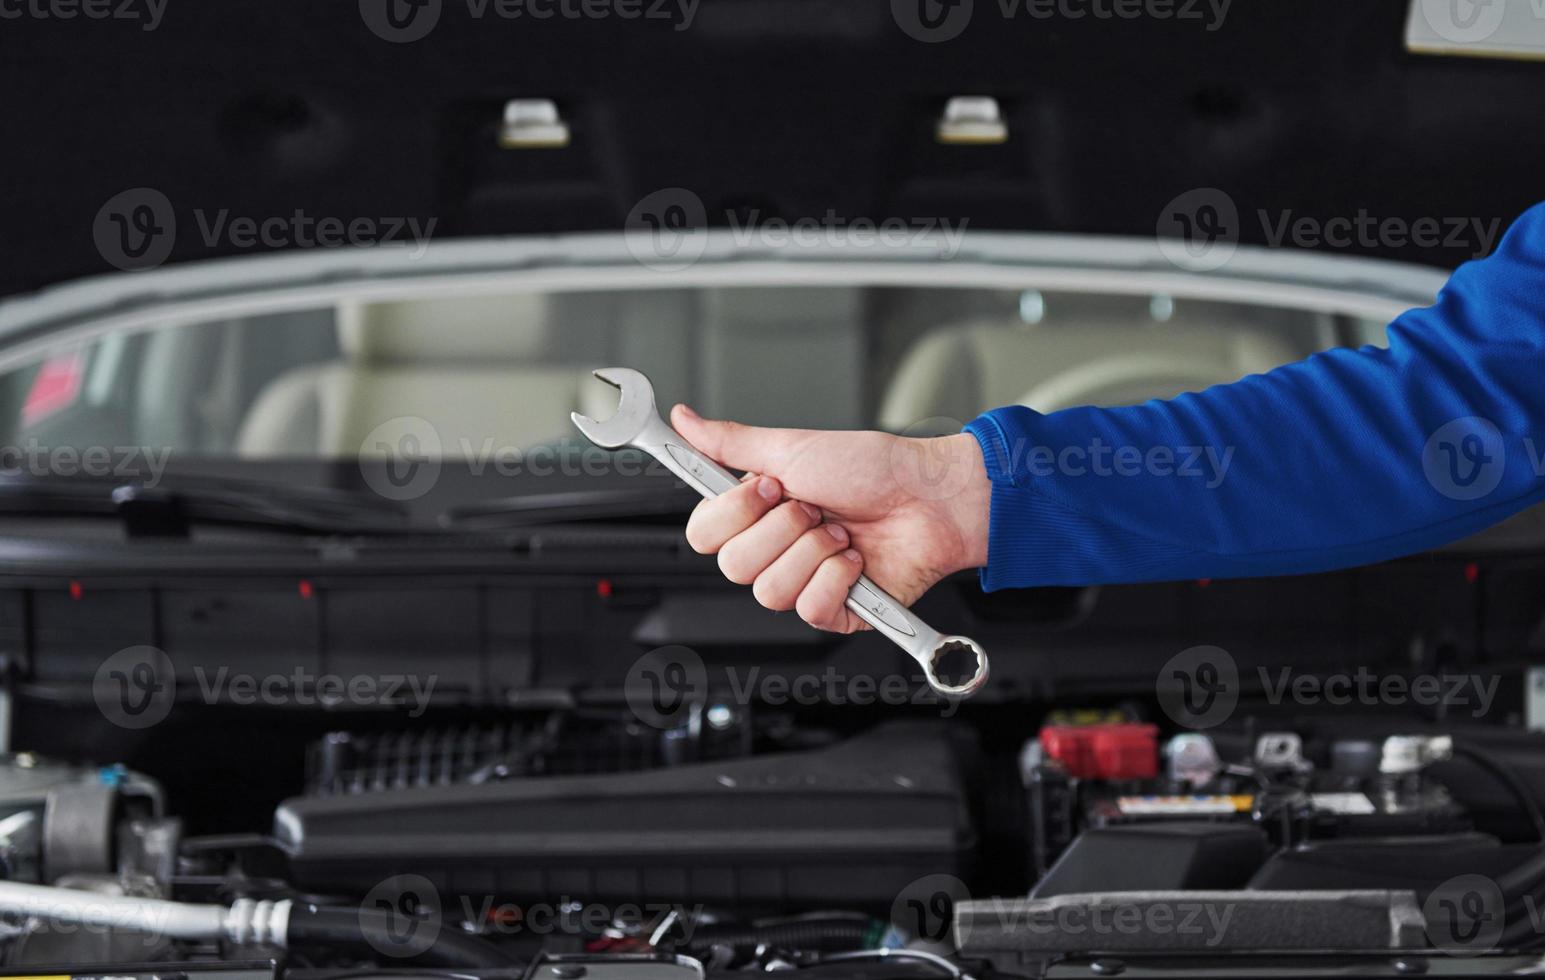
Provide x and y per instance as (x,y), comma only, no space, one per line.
(767,488)
(838,533)
(852,555)
(687,411)
(811,510)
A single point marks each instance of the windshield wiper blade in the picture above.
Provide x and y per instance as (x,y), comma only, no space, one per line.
(573,505)
(170,510)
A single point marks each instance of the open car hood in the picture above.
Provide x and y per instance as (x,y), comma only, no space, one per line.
(356,111)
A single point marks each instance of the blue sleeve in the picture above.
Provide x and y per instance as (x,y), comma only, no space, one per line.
(1348,457)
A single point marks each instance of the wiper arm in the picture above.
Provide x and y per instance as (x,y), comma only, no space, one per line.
(572,505)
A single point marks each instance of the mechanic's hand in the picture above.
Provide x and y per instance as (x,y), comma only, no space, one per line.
(911,510)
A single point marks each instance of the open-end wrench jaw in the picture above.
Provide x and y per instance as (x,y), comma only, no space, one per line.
(635,410)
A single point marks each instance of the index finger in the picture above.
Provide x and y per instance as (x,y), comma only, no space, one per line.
(717,519)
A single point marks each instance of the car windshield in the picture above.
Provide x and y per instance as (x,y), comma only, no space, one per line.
(488,380)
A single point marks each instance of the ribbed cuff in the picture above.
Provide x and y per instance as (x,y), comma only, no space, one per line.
(1032,540)
(1006,537)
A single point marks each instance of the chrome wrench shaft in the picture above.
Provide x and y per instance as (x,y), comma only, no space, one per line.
(637,423)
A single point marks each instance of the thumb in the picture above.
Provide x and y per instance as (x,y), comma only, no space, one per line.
(741,447)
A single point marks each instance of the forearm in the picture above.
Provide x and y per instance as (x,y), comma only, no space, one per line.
(1338,460)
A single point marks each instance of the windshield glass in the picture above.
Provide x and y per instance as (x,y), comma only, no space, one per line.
(487,382)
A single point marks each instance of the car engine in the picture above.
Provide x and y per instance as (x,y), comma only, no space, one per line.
(595,757)
(739,840)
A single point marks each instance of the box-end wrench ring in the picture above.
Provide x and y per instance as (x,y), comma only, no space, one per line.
(637,423)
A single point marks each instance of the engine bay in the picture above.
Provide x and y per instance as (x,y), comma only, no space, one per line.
(741,841)
(718,801)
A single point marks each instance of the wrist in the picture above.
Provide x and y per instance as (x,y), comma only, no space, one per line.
(943,479)
(971,506)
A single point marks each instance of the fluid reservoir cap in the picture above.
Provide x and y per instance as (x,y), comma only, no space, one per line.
(1193,758)
(1412,753)
(1126,750)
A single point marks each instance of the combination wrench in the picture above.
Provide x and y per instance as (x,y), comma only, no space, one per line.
(637,423)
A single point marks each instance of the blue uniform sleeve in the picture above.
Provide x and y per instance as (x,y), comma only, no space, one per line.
(1348,457)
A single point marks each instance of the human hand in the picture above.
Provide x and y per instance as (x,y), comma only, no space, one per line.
(910,511)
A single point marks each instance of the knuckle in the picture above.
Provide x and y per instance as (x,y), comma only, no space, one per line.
(770,594)
(809,607)
(793,515)
(744,504)
(842,570)
(738,503)
(816,609)
(696,539)
(733,566)
(819,540)
(713,523)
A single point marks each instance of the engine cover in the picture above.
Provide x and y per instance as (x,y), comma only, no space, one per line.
(850,824)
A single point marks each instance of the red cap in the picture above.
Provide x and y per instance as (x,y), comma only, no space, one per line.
(1128,750)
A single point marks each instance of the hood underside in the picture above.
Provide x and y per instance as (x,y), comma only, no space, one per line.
(764,109)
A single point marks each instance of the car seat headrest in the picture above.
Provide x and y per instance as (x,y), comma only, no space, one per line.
(510,327)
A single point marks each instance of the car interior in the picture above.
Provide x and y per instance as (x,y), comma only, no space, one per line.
(506,369)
